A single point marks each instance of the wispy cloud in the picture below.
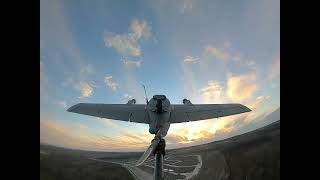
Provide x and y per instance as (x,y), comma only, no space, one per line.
(212,92)
(127,96)
(140,29)
(255,106)
(55,31)
(130,46)
(110,83)
(227,53)
(196,132)
(83,86)
(243,62)
(242,87)
(219,54)
(127,44)
(190,59)
(131,62)
(107,123)
(63,134)
(79,136)
(87,70)
(260,100)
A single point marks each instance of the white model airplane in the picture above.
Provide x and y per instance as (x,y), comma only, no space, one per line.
(159,114)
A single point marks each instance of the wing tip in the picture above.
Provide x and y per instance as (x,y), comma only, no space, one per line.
(72,108)
(246,109)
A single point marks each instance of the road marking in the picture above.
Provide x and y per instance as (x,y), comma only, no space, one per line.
(189,175)
(139,174)
(196,169)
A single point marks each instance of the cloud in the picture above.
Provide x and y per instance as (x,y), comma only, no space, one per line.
(244,62)
(128,43)
(86,70)
(249,63)
(242,87)
(212,92)
(140,29)
(218,53)
(185,136)
(107,123)
(195,132)
(228,54)
(110,83)
(190,59)
(255,106)
(130,62)
(239,89)
(127,96)
(260,100)
(56,33)
(198,132)
(62,134)
(124,44)
(79,136)
(85,88)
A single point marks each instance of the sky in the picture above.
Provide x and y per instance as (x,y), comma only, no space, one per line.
(208,51)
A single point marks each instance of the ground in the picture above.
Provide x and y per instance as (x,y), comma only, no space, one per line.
(254,155)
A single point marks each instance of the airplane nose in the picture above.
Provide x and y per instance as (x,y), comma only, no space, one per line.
(152,130)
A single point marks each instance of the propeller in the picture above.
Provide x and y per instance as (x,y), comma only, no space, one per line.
(154,144)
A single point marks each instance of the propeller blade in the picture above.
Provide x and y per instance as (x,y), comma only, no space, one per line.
(148,152)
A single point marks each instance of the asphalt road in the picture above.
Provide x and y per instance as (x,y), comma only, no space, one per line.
(175,167)
(137,173)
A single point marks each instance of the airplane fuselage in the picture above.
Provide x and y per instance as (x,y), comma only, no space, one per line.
(159,109)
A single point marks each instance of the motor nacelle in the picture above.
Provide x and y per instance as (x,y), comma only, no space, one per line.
(186,102)
(153,130)
(159,104)
(132,101)
(159,97)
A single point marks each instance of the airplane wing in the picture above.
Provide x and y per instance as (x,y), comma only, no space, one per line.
(195,112)
(123,112)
